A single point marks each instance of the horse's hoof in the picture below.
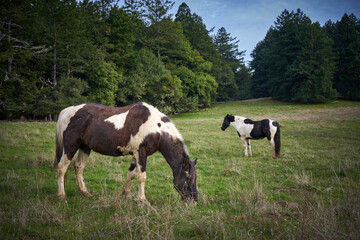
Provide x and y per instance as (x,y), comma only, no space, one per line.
(62,196)
(86,194)
(126,194)
(142,203)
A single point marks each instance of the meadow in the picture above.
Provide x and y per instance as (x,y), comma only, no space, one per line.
(311,192)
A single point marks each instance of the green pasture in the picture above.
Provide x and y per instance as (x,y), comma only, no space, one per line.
(311,192)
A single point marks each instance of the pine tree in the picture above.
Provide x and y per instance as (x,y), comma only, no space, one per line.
(261,64)
(294,62)
(346,35)
(231,61)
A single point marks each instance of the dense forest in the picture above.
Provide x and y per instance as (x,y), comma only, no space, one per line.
(300,61)
(58,53)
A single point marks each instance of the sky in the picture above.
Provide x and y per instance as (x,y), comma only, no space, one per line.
(249,20)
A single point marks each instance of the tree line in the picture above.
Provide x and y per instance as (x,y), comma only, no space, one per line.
(300,61)
(57,53)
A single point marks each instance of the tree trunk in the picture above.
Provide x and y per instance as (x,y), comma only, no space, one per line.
(54,65)
(11,58)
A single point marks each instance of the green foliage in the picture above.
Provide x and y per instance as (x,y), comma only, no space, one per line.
(261,65)
(295,61)
(61,52)
(243,80)
(230,62)
(222,52)
(346,35)
(151,82)
(75,51)
(122,38)
(69,92)
(103,80)
(195,31)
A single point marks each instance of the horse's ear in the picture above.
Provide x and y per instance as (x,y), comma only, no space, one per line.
(186,162)
(195,161)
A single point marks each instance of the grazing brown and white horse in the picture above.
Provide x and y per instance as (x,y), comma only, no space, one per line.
(248,129)
(138,129)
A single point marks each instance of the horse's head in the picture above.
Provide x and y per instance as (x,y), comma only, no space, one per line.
(227,120)
(185,182)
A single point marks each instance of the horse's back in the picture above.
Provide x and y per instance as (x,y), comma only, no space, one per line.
(109,129)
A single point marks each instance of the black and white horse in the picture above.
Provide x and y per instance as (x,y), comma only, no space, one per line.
(248,129)
(138,129)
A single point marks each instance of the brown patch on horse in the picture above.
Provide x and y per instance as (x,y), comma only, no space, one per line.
(249,121)
(165,119)
(149,146)
(88,127)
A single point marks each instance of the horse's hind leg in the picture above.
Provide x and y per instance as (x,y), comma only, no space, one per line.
(129,178)
(62,168)
(272,142)
(79,165)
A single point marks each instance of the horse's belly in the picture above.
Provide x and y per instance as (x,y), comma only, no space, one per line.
(114,151)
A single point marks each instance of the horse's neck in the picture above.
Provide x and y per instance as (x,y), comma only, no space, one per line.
(237,123)
(174,151)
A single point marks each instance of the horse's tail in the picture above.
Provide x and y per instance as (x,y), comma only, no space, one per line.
(277,140)
(59,142)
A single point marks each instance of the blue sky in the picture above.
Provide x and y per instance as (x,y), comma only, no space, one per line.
(249,20)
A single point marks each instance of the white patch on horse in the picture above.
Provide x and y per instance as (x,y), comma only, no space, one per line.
(64,119)
(151,126)
(242,128)
(273,129)
(118,120)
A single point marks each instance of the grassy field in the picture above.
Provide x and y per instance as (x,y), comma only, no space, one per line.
(311,192)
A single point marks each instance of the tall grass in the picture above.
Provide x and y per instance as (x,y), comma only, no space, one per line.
(311,192)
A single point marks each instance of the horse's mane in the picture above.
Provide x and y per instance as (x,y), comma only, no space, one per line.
(249,121)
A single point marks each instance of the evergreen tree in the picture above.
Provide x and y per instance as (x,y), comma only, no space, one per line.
(199,37)
(103,80)
(122,39)
(294,62)
(243,81)
(231,61)
(195,31)
(227,46)
(157,10)
(151,82)
(261,64)
(346,35)
(62,26)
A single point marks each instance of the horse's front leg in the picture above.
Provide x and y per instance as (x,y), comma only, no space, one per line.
(141,171)
(79,164)
(137,168)
(249,146)
(243,139)
(130,177)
